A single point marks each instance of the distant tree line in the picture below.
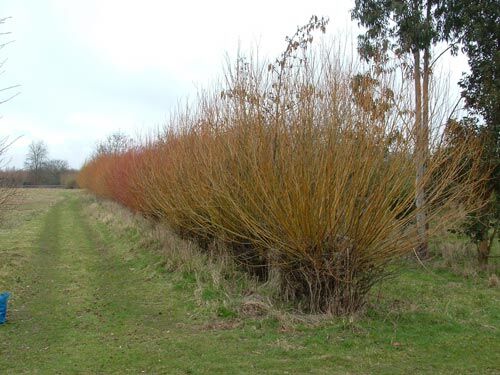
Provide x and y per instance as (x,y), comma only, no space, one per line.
(40,170)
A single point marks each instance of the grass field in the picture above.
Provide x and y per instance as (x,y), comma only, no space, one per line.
(92,293)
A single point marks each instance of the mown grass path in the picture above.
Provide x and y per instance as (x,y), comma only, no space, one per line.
(84,309)
(84,303)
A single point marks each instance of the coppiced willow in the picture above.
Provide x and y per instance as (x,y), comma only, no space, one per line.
(303,168)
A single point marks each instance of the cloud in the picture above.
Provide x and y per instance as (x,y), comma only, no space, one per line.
(97,125)
(186,36)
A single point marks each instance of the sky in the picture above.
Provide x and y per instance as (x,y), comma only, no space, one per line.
(88,68)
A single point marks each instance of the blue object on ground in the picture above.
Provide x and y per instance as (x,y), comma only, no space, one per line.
(4,297)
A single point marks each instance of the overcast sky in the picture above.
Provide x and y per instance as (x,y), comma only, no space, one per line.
(91,67)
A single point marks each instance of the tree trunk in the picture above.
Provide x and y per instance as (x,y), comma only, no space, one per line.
(484,248)
(483,252)
(421,146)
(425,142)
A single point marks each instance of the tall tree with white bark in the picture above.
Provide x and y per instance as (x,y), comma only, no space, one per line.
(408,29)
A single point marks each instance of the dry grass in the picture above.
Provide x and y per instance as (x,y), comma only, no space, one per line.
(24,203)
(493,281)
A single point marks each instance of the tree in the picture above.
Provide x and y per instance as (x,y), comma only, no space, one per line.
(53,170)
(475,26)
(7,192)
(482,225)
(115,143)
(6,90)
(36,159)
(409,29)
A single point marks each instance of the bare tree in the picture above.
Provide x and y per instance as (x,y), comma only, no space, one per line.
(7,89)
(7,191)
(53,170)
(36,159)
(115,143)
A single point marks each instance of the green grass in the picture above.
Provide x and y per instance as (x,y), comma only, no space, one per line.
(89,298)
